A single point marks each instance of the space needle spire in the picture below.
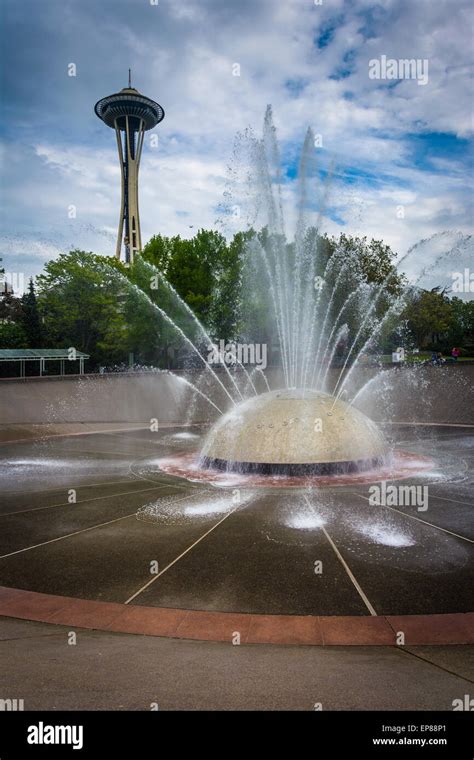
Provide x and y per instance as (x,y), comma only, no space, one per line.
(131,114)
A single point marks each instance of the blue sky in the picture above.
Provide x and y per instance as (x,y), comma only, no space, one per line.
(393,143)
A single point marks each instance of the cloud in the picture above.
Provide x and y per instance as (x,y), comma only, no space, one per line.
(310,61)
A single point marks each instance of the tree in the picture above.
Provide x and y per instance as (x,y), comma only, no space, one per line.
(12,335)
(108,310)
(375,259)
(429,314)
(192,270)
(226,306)
(30,317)
(159,250)
(257,323)
(81,300)
(461,328)
(10,307)
(206,273)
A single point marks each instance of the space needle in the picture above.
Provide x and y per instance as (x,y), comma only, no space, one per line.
(131,114)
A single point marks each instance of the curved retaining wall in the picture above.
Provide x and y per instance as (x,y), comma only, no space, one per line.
(432,394)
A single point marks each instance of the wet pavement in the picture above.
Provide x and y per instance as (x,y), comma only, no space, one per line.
(94,517)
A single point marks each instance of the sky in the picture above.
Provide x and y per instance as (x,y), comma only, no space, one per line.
(400,151)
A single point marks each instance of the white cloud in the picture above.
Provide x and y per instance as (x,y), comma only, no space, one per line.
(182,54)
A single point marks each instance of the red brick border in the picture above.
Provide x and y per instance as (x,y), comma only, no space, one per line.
(454,628)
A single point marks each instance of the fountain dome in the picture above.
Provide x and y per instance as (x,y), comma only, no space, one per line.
(294,432)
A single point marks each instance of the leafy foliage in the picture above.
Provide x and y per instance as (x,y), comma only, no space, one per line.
(91,302)
(81,306)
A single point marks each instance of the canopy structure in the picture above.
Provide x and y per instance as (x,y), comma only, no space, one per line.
(43,355)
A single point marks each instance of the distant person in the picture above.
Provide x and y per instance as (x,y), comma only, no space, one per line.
(436,358)
(455,354)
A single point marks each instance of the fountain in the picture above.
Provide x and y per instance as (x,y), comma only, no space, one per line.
(256,478)
(294,433)
(324,316)
(302,429)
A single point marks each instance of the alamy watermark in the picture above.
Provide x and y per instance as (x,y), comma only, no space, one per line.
(12,282)
(465,703)
(42,733)
(398,496)
(463,282)
(238,353)
(399,68)
(12,705)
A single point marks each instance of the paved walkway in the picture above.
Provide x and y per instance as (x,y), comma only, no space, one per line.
(128,672)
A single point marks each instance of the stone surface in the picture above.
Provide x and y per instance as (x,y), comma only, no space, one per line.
(294,427)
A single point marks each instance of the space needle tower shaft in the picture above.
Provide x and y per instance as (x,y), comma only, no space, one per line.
(130,114)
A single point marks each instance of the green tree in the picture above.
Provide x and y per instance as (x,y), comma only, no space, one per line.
(82,304)
(461,329)
(193,268)
(12,335)
(429,314)
(159,251)
(10,307)
(205,272)
(31,318)
(226,305)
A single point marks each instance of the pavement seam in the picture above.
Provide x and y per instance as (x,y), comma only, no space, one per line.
(406,651)
(81,501)
(83,485)
(346,567)
(69,535)
(455,501)
(184,620)
(418,519)
(155,577)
